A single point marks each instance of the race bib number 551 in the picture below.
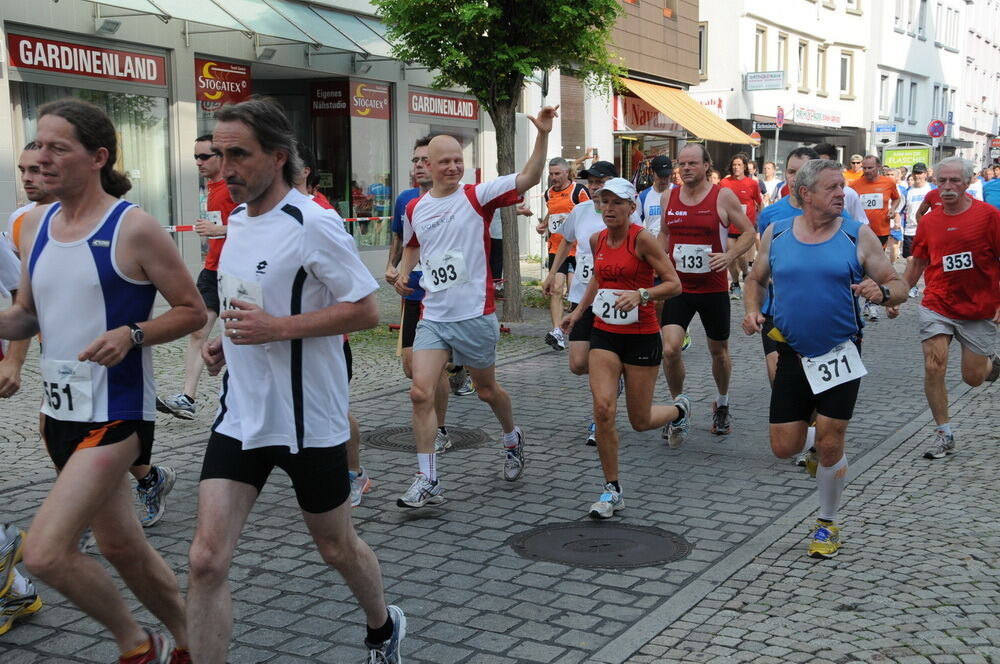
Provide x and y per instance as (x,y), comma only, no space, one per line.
(68,390)
(838,366)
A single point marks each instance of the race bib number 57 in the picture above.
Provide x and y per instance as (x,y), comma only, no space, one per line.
(838,366)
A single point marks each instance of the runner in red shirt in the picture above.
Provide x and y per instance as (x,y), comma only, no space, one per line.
(747,190)
(696,219)
(625,332)
(957,249)
(213,227)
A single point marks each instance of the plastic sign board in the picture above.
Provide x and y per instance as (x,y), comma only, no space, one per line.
(896,157)
(886,133)
(764,80)
(83,60)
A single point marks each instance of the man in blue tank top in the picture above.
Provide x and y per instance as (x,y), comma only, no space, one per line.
(818,262)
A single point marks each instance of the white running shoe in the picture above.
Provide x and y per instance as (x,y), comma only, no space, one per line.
(361,484)
(178,405)
(441,442)
(609,502)
(513,463)
(422,492)
(677,432)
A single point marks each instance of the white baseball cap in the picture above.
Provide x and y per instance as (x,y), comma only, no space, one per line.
(620,187)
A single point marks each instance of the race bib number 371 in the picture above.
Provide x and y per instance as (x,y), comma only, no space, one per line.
(838,366)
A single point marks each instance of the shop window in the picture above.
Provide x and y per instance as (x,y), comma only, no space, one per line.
(760,49)
(141,122)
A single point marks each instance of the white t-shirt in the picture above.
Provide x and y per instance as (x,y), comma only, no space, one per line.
(770,186)
(298,258)
(452,233)
(914,197)
(976,189)
(853,206)
(10,269)
(582,222)
(650,212)
(9,229)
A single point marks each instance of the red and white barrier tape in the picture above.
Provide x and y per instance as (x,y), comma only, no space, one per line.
(181,229)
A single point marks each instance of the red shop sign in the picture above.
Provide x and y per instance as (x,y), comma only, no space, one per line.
(68,58)
(218,83)
(370,100)
(444,107)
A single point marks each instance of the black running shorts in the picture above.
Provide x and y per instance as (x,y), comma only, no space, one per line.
(641,350)
(63,438)
(713,308)
(568,264)
(318,474)
(408,325)
(792,399)
(208,286)
(908,245)
(581,331)
(349,359)
(770,345)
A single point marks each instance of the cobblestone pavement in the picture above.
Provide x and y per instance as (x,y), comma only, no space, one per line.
(470,598)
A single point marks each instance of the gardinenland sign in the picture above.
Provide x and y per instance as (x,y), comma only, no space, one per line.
(440,106)
(82,60)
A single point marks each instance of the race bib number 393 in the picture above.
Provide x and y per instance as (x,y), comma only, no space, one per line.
(68,390)
(954,262)
(232,288)
(604,308)
(838,366)
(692,258)
(444,271)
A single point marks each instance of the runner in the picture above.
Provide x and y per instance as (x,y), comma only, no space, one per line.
(817,264)
(853,209)
(747,190)
(97,373)
(444,230)
(583,222)
(284,395)
(560,199)
(879,197)
(697,217)
(649,205)
(411,303)
(625,340)
(211,224)
(770,182)
(956,249)
(915,196)
(855,169)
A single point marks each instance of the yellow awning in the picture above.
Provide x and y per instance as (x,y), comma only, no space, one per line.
(680,107)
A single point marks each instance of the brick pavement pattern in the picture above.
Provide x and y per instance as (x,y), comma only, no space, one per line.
(469,598)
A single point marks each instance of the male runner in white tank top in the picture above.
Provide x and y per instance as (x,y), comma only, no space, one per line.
(98,262)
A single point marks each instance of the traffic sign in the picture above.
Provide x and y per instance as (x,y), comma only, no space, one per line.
(935,129)
(995,143)
(755,136)
(886,133)
(779,118)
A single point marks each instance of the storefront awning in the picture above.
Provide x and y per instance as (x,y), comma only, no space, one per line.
(284,20)
(680,107)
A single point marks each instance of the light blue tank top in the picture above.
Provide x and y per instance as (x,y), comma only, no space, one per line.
(813,305)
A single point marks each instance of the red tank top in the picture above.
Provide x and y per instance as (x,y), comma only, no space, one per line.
(619,268)
(700,231)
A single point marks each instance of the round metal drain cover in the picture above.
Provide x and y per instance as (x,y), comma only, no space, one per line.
(401,438)
(601,545)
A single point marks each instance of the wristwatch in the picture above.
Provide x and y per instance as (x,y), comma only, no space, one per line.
(138,336)
(885,294)
(643,296)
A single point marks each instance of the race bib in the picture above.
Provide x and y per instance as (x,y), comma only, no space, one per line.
(692,258)
(834,368)
(68,392)
(955,262)
(604,308)
(214,216)
(556,222)
(584,268)
(444,271)
(232,288)
(872,201)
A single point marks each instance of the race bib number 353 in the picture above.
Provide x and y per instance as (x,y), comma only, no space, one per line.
(692,258)
(444,271)
(68,390)
(604,308)
(955,262)
(838,366)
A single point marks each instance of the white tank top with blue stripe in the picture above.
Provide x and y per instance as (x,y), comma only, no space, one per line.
(79,294)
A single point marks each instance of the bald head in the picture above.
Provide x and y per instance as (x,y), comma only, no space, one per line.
(447,164)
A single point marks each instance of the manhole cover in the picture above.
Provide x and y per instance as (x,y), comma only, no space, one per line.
(607,545)
(401,438)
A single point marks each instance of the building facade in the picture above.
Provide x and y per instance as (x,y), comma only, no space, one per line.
(979,108)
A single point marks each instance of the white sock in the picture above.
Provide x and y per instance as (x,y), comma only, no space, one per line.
(722,400)
(510,438)
(830,488)
(20,586)
(428,465)
(810,440)
(944,428)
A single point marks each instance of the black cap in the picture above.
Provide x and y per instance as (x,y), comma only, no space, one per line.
(920,167)
(600,169)
(662,166)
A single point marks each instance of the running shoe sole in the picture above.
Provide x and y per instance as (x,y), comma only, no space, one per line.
(10,560)
(551,340)
(431,500)
(597,514)
(9,615)
(179,413)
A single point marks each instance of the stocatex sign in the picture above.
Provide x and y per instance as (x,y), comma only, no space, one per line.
(82,60)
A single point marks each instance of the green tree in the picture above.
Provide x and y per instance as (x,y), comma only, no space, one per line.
(489,47)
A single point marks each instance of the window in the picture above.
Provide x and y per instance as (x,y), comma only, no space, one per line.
(897,106)
(803,65)
(703,50)
(936,101)
(760,49)
(846,73)
(939,23)
(883,95)
(783,53)
(913,102)
(922,20)
(853,6)
(911,16)
(900,20)
(821,70)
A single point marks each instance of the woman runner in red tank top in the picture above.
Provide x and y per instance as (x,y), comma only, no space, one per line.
(625,339)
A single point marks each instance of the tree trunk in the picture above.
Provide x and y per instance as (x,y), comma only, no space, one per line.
(503,121)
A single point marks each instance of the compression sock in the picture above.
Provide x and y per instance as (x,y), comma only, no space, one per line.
(149,481)
(830,483)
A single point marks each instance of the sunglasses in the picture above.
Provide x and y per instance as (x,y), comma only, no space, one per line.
(855,162)
(205,156)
